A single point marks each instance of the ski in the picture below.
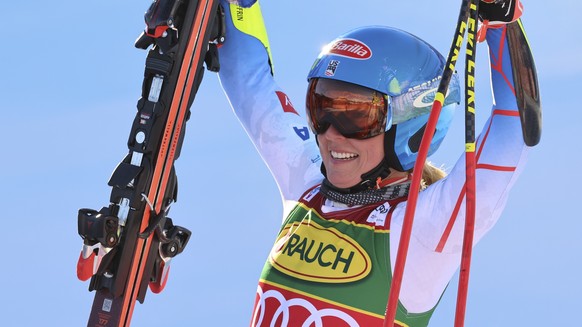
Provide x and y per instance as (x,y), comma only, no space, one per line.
(128,245)
(527,90)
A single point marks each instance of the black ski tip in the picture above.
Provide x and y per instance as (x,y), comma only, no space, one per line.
(531,121)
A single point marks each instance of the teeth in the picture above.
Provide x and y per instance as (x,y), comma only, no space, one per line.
(343,156)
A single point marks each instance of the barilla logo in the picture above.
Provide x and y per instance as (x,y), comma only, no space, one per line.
(308,251)
(351,48)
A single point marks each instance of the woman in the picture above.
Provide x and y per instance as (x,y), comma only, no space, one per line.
(344,175)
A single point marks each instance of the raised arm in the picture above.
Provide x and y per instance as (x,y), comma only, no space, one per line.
(435,248)
(500,154)
(276,128)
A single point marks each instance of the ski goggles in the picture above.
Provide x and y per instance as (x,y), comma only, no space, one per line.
(355,111)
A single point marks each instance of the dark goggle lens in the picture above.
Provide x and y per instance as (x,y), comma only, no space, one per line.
(355,111)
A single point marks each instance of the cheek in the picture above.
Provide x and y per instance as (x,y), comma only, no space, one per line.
(375,157)
(375,148)
(320,141)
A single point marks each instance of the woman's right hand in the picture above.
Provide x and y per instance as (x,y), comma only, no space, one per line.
(500,12)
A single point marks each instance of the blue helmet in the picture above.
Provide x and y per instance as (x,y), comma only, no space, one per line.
(405,68)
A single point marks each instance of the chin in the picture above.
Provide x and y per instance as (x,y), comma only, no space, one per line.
(341,183)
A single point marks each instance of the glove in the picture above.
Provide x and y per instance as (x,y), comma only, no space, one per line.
(500,12)
(497,13)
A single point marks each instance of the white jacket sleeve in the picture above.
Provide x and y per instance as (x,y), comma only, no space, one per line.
(437,236)
(276,128)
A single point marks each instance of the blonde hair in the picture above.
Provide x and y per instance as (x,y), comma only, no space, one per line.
(431,174)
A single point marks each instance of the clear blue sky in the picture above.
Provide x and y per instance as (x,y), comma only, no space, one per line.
(69,83)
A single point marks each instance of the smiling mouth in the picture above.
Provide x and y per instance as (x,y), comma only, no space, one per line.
(342,155)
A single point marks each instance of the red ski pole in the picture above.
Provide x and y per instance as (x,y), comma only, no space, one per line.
(470,163)
(419,164)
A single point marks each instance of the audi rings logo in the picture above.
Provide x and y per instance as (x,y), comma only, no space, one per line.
(282,313)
